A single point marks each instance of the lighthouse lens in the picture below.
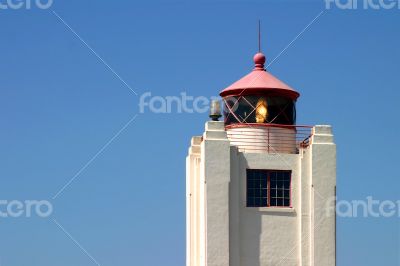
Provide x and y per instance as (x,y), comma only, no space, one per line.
(261,110)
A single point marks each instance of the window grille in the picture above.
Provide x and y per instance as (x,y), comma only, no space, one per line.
(268,188)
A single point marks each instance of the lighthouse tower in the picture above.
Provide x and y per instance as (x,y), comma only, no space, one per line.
(260,189)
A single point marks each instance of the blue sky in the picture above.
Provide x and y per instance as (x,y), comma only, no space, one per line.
(60,104)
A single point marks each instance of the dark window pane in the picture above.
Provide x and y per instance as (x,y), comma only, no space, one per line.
(273,193)
(257,188)
(250,175)
(273,202)
(287,175)
(273,184)
(257,202)
(264,202)
(264,183)
(264,193)
(250,202)
(280,188)
(280,175)
(251,192)
(287,193)
(287,202)
(273,176)
(250,183)
(279,202)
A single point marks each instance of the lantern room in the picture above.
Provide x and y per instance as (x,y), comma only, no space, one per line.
(260,112)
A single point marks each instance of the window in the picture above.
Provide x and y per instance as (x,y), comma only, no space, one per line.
(268,188)
(243,109)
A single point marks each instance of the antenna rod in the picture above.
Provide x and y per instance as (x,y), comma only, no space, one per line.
(259,36)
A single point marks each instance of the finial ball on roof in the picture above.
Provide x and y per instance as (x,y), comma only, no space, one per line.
(259,60)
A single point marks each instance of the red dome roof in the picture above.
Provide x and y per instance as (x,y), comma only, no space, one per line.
(259,81)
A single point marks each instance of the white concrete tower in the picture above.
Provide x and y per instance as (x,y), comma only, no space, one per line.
(261,189)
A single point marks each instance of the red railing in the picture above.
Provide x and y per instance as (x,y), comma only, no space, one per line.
(270,138)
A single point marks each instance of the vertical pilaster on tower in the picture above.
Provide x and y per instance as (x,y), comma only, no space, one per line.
(193,202)
(323,180)
(215,164)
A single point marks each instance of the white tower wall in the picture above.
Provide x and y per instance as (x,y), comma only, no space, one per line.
(222,231)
